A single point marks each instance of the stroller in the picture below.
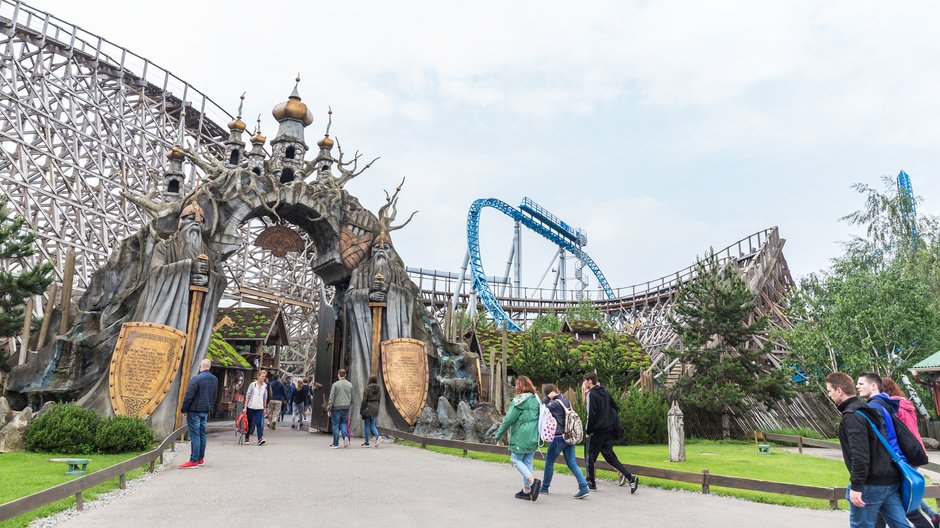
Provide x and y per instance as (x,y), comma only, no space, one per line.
(241,428)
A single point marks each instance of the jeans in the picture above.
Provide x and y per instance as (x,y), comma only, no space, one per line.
(196,423)
(368,425)
(338,419)
(523,463)
(298,414)
(255,421)
(878,498)
(602,443)
(558,445)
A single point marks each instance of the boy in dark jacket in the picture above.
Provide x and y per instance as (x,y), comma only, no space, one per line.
(874,478)
(197,404)
(603,427)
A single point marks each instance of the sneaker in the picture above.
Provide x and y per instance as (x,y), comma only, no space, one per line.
(262,442)
(334,446)
(189,464)
(346,442)
(523,495)
(365,444)
(293,426)
(623,480)
(592,486)
(543,491)
(536,488)
(634,484)
(582,493)
(378,440)
(201,462)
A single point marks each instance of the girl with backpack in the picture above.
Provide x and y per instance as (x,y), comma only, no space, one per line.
(568,433)
(522,423)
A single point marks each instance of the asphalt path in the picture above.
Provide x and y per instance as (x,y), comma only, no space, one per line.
(297,480)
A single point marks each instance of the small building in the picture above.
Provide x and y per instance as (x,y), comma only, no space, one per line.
(582,329)
(927,372)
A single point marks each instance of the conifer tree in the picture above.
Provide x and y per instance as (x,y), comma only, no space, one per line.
(714,319)
(16,244)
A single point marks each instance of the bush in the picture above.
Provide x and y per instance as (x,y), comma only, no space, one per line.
(120,434)
(68,429)
(643,415)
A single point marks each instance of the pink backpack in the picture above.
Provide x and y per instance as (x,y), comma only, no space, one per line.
(547,424)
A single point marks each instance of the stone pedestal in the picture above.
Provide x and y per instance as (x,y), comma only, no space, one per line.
(676,426)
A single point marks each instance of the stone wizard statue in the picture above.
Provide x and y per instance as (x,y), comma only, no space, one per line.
(174,266)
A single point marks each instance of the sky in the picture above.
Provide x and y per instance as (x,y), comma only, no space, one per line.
(660,128)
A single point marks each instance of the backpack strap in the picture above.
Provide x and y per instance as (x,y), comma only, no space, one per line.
(894,456)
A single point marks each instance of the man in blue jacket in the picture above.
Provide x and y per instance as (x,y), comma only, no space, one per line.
(199,401)
(869,387)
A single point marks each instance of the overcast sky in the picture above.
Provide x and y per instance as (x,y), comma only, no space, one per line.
(661,128)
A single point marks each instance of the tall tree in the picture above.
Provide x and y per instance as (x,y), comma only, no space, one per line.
(714,318)
(16,245)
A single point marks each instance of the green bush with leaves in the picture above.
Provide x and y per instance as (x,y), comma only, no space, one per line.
(643,415)
(617,359)
(120,434)
(67,429)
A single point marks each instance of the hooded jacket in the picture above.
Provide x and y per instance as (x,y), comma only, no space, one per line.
(865,457)
(887,407)
(601,412)
(908,416)
(522,420)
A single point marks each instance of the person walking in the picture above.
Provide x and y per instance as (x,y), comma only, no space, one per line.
(337,408)
(278,395)
(289,389)
(874,479)
(558,405)
(369,410)
(602,428)
(256,400)
(299,404)
(197,404)
(522,422)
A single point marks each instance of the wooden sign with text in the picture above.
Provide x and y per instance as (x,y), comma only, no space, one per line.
(405,371)
(145,361)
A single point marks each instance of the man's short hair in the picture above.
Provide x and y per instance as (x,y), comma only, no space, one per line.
(592,377)
(871,377)
(341,373)
(841,380)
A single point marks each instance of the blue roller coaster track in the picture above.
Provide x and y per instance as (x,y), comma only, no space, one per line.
(541,222)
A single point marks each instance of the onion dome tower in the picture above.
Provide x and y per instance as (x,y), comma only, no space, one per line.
(234,146)
(173,177)
(325,157)
(288,146)
(256,154)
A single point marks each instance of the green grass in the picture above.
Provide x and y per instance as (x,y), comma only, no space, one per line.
(731,458)
(23,474)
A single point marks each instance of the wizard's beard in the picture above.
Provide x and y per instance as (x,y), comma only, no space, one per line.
(188,244)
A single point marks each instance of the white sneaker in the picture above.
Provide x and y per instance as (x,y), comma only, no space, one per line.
(378,440)
(346,442)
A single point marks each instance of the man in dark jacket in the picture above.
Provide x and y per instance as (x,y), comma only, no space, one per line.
(276,403)
(874,477)
(603,427)
(199,401)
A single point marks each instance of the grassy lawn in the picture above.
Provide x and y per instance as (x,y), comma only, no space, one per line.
(736,459)
(23,474)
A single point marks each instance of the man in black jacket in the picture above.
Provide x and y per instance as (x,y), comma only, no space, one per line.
(603,427)
(874,477)
(199,401)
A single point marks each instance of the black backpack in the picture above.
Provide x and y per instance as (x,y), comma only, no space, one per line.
(910,446)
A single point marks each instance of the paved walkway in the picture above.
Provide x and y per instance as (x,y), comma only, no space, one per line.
(296,480)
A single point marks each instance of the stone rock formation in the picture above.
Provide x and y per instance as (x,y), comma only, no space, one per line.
(13,434)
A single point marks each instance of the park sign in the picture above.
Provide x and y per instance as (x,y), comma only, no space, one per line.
(144,364)
(405,372)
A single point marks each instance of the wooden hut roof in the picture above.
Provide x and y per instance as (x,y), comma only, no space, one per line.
(253,324)
(581,326)
(931,363)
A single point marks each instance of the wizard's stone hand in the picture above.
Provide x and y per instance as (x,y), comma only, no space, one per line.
(200,266)
(198,279)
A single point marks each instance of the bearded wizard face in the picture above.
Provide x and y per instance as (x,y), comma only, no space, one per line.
(189,236)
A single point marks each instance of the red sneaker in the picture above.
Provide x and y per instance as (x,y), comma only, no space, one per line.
(189,465)
(201,462)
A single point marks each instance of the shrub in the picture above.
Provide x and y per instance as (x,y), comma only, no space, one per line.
(120,434)
(643,415)
(67,428)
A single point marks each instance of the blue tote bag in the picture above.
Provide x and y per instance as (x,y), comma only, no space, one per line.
(912,482)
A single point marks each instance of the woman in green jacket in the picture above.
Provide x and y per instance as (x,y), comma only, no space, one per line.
(522,420)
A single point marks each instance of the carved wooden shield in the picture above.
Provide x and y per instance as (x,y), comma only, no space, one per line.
(353,247)
(405,370)
(145,361)
(279,240)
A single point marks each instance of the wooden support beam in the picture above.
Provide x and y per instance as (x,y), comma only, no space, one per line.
(47,315)
(66,304)
(24,338)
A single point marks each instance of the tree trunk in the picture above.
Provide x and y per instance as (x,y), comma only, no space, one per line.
(726,425)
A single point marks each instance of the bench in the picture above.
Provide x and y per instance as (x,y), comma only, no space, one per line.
(763,449)
(77,466)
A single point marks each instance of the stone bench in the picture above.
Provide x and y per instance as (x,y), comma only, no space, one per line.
(77,466)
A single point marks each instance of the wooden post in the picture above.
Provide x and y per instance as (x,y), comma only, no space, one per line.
(24,337)
(66,303)
(78,502)
(123,481)
(491,395)
(192,330)
(47,315)
(833,501)
(504,377)
(799,444)
(152,466)
(706,489)
(377,308)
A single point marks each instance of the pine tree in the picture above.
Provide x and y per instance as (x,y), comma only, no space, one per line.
(16,244)
(713,317)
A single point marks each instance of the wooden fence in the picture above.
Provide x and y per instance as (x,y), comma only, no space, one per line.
(75,487)
(705,479)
